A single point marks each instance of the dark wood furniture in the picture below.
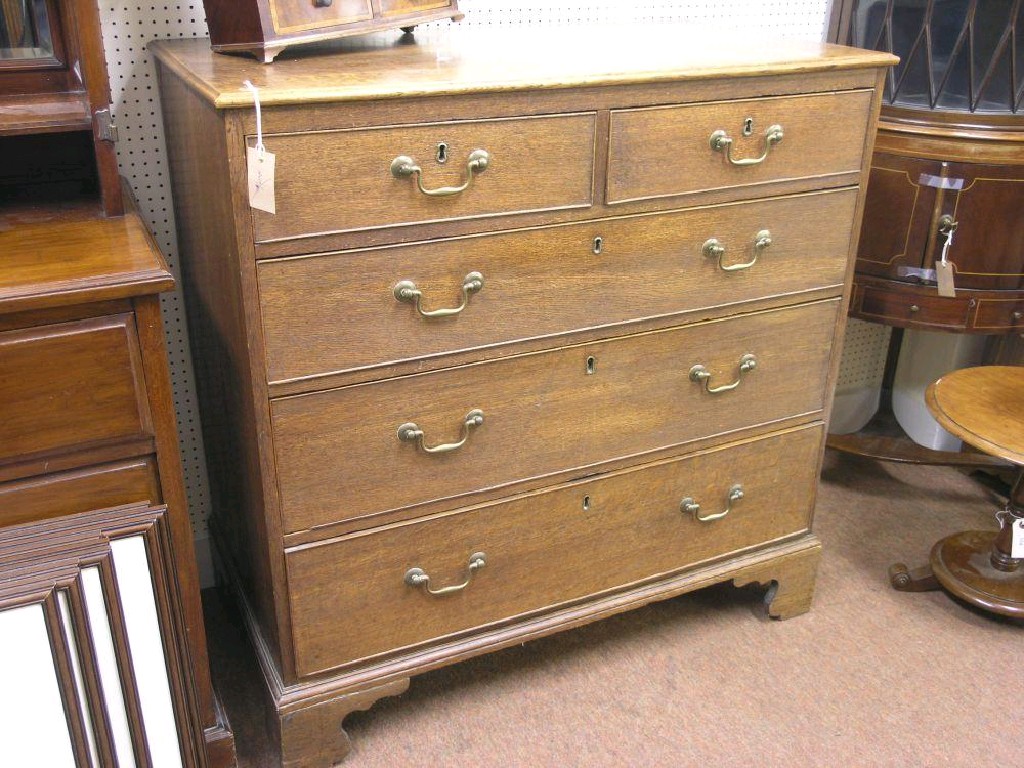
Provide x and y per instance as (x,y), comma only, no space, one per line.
(528,342)
(56,134)
(984,407)
(264,28)
(949,158)
(88,418)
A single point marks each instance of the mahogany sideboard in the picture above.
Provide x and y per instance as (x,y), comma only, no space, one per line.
(88,425)
(528,341)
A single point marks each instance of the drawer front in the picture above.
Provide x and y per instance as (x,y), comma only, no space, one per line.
(70,385)
(666,151)
(543,282)
(339,454)
(401,7)
(350,600)
(336,181)
(68,493)
(296,15)
(913,310)
(1000,315)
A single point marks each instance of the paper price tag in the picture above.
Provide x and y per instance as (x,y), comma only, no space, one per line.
(944,276)
(1017,546)
(261,180)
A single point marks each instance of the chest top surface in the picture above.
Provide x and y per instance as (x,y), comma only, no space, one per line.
(383,66)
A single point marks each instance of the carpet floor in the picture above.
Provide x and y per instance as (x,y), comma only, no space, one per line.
(870,677)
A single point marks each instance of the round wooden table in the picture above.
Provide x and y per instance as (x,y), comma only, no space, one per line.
(984,407)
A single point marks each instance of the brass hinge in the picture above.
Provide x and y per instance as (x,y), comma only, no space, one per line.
(105,128)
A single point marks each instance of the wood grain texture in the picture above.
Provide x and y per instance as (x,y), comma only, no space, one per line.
(74,259)
(924,309)
(665,151)
(350,601)
(48,407)
(543,413)
(265,28)
(298,15)
(67,493)
(383,67)
(308,364)
(312,736)
(984,407)
(536,164)
(543,282)
(202,184)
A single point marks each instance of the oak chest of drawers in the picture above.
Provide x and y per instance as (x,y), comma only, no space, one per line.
(523,345)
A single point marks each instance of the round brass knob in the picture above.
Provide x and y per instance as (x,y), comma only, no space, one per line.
(914,308)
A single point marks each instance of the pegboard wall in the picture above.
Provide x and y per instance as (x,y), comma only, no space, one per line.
(127,28)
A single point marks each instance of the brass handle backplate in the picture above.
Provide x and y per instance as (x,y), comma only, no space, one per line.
(411,433)
(407,291)
(699,373)
(417,577)
(403,166)
(714,249)
(691,507)
(720,142)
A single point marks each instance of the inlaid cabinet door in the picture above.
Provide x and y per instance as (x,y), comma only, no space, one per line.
(987,204)
(898,216)
(94,671)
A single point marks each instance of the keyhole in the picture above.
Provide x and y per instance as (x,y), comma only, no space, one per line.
(442,152)
(591,366)
(748,126)
(598,245)
(586,503)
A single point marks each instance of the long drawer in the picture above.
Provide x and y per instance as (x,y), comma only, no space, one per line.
(666,151)
(544,282)
(68,493)
(336,181)
(351,598)
(360,450)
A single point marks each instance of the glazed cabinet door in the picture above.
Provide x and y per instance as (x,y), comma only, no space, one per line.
(94,672)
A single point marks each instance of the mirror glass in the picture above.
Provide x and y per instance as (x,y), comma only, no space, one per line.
(24,30)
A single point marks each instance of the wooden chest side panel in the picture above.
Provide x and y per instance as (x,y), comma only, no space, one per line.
(215,300)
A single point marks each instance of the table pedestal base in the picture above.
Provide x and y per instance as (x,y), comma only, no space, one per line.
(962,565)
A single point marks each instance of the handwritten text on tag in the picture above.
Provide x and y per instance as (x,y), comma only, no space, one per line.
(261,180)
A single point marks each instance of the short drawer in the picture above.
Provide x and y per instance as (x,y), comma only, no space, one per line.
(71,385)
(297,15)
(68,493)
(400,7)
(351,600)
(354,451)
(544,282)
(336,181)
(999,315)
(666,151)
